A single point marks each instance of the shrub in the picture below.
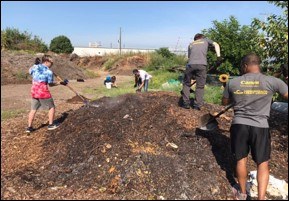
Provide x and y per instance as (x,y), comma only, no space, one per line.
(90,74)
(13,39)
(20,75)
(160,77)
(159,60)
(61,44)
(165,52)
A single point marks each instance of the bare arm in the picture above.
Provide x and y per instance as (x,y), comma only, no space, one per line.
(217,49)
(142,84)
(285,96)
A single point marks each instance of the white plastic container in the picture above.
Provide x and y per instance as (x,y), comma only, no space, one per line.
(108,85)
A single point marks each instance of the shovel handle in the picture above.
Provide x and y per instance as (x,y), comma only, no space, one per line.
(230,106)
(224,110)
(61,80)
(220,113)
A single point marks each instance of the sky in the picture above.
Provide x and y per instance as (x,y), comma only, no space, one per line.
(144,24)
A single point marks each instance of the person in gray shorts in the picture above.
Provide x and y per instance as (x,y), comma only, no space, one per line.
(47,104)
(42,76)
(197,66)
(252,93)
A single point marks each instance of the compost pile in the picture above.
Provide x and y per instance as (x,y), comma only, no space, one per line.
(15,67)
(135,146)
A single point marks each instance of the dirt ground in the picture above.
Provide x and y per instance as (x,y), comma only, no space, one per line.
(135,146)
(17,96)
(15,66)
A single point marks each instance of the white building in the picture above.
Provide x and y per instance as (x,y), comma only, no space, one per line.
(101,51)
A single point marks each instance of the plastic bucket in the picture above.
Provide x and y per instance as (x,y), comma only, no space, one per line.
(108,85)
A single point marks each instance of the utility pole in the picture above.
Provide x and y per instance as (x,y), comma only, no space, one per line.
(120,40)
(176,48)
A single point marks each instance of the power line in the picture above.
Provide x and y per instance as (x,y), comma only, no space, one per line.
(120,40)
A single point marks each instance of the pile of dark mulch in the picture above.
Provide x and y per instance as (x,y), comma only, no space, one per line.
(140,146)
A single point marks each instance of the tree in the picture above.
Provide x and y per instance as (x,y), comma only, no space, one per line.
(165,52)
(61,44)
(275,40)
(235,41)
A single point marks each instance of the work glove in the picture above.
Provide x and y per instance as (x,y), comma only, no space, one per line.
(64,82)
(219,61)
(134,86)
(138,90)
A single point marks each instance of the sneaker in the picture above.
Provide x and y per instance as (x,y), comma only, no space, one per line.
(52,126)
(238,195)
(192,91)
(196,107)
(29,130)
(186,106)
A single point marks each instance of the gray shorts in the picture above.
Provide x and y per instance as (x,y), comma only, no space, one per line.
(45,104)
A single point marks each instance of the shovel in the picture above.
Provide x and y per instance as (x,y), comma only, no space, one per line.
(85,100)
(208,122)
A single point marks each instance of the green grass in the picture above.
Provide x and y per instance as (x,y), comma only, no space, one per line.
(90,74)
(123,88)
(110,62)
(20,75)
(21,52)
(160,77)
(11,114)
(213,94)
(158,62)
(113,59)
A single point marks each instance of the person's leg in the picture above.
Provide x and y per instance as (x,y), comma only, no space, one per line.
(31,117)
(262,179)
(241,173)
(260,141)
(146,85)
(201,75)
(35,104)
(240,150)
(49,104)
(187,85)
(51,113)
